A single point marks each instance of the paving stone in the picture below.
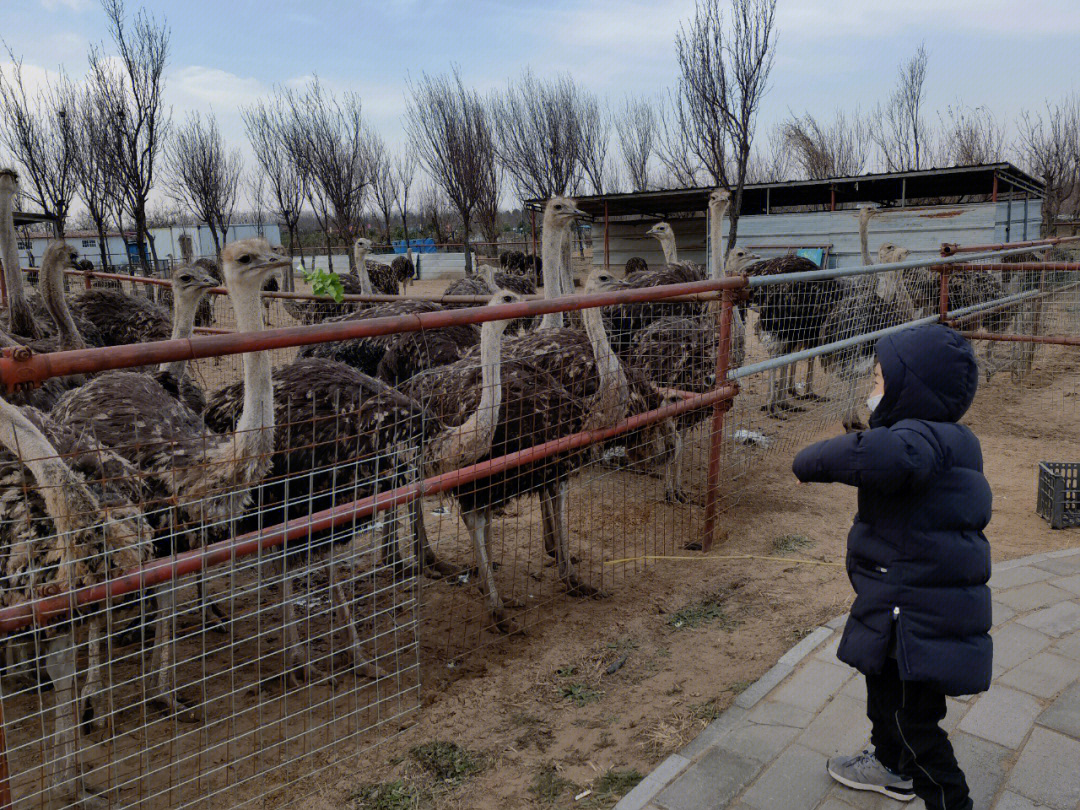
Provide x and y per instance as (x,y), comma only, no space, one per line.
(985,765)
(713,782)
(1030,597)
(759,743)
(796,780)
(811,686)
(999,613)
(713,732)
(838,622)
(954,713)
(1047,770)
(1061,566)
(1064,713)
(805,647)
(775,713)
(1002,715)
(1014,644)
(1070,584)
(1014,801)
(762,686)
(856,688)
(840,728)
(1044,676)
(1069,646)
(648,787)
(834,804)
(828,652)
(1056,620)
(1015,577)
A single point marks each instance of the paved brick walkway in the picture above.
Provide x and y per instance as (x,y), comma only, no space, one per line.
(1019,743)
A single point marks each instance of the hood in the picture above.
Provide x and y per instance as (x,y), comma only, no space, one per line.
(930,373)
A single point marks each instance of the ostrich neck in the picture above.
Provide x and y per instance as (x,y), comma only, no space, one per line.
(184,309)
(52,293)
(361,271)
(671,252)
(471,440)
(551,257)
(20,319)
(58,485)
(609,405)
(252,435)
(864,241)
(716,239)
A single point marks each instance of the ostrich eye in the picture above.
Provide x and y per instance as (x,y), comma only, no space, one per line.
(185,278)
(245,259)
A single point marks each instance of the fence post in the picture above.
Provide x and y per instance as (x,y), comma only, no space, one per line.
(943,301)
(723,355)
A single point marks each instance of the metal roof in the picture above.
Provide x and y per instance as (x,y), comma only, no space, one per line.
(887,189)
(27,218)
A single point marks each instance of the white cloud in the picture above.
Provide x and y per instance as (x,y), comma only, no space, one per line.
(71,5)
(197,85)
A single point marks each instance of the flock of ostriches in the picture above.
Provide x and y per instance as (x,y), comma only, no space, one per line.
(106,472)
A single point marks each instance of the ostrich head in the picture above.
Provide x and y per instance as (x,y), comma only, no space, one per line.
(661,230)
(362,244)
(194,277)
(600,280)
(719,199)
(500,298)
(889,253)
(561,211)
(248,264)
(738,259)
(866,213)
(636,264)
(60,254)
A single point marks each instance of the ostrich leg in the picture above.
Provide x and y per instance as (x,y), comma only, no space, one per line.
(299,667)
(430,565)
(673,490)
(367,665)
(92,713)
(65,776)
(161,659)
(478,522)
(567,574)
(850,379)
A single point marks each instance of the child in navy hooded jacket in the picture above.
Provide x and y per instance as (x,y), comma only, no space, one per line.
(918,561)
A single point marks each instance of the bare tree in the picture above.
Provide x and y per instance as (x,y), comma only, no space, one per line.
(682,166)
(971,136)
(1049,147)
(724,71)
(540,129)
(595,126)
(636,130)
(772,164)
(131,87)
(839,148)
(204,176)
(334,147)
(383,184)
(268,125)
(256,185)
(39,133)
(404,175)
(487,210)
(97,183)
(450,128)
(433,212)
(898,127)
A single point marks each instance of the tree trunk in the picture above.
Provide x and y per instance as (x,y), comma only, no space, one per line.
(58,228)
(329,256)
(103,244)
(465,240)
(217,244)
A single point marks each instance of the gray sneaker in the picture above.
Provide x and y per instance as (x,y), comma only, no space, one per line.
(864,772)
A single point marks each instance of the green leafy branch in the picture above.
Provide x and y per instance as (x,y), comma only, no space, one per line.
(325,282)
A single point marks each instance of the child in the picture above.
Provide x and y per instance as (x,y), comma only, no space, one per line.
(918,560)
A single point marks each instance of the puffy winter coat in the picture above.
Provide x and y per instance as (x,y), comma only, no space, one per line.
(917,556)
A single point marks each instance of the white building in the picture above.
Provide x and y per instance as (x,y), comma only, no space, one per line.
(920,210)
(122,249)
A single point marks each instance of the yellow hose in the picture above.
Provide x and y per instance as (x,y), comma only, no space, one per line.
(725,557)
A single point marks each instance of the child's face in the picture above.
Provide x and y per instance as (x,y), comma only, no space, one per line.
(879,382)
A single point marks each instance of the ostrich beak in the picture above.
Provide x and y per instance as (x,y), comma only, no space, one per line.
(653,231)
(579,214)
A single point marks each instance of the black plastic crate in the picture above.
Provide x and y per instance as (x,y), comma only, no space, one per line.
(1059,493)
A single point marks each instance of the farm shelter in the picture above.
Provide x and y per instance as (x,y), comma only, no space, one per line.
(966,205)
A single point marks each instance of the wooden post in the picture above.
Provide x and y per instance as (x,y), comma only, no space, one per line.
(832,198)
(993,192)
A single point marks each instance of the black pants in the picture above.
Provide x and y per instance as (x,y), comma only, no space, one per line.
(907,738)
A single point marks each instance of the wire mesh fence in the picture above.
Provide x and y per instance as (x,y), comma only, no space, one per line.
(202,609)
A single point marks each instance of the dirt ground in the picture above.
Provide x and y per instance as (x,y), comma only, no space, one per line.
(604,690)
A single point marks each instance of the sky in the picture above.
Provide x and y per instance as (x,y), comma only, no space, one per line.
(829,53)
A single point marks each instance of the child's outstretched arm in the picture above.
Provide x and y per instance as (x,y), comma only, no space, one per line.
(883,458)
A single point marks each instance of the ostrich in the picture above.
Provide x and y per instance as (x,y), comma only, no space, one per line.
(208,476)
(500,407)
(404,269)
(635,264)
(338,434)
(664,233)
(890,286)
(413,353)
(121,319)
(486,282)
(790,318)
(20,319)
(190,285)
(374,277)
(96,532)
